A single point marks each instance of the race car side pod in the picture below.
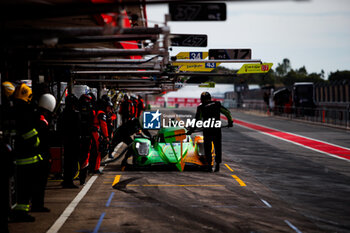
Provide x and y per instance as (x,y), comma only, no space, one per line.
(118,157)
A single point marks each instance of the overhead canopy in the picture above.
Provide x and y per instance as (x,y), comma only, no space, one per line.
(65,38)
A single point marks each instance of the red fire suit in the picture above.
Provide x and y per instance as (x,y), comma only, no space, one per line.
(99,133)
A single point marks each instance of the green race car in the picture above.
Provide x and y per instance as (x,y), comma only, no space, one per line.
(170,146)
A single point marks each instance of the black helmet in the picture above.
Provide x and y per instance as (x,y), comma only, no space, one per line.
(85,101)
(104,102)
(205,97)
(101,104)
(84,98)
(106,98)
(93,97)
(71,101)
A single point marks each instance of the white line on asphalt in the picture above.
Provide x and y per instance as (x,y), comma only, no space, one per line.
(266,203)
(70,208)
(292,226)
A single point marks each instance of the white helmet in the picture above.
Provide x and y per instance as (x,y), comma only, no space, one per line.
(48,102)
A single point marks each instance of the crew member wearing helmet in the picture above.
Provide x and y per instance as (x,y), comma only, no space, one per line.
(209,109)
(126,109)
(46,106)
(26,151)
(140,106)
(100,135)
(87,119)
(7,126)
(135,103)
(111,120)
(8,88)
(7,119)
(70,124)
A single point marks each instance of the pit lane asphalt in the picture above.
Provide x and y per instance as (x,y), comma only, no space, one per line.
(288,189)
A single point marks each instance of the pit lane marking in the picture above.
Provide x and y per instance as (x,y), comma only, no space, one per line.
(181,185)
(70,208)
(240,182)
(116,180)
(292,226)
(110,199)
(98,225)
(168,185)
(108,203)
(266,203)
(228,167)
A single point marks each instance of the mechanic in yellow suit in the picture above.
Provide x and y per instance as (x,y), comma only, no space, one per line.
(26,151)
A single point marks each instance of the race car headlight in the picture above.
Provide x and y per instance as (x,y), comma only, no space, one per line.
(142,148)
(200,149)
